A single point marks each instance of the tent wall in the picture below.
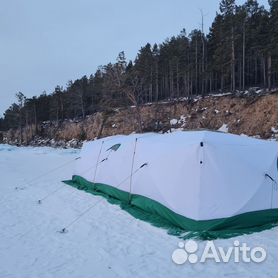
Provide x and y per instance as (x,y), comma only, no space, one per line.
(197,175)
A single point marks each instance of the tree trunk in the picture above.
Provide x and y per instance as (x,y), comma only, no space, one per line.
(177,81)
(156,82)
(233,63)
(210,82)
(62,108)
(82,106)
(104,119)
(263,70)
(196,67)
(185,84)
(203,65)
(243,58)
(139,118)
(35,119)
(269,71)
(240,75)
(20,126)
(171,80)
(256,71)
(222,81)
(151,87)
(27,127)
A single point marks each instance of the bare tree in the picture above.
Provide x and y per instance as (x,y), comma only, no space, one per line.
(120,83)
(21,101)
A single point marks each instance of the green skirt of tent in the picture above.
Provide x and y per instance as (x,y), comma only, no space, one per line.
(148,210)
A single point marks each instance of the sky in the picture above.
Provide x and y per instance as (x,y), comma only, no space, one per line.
(48,43)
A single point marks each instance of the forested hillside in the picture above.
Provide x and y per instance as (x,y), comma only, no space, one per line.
(240,51)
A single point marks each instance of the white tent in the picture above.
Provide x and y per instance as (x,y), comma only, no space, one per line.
(197,179)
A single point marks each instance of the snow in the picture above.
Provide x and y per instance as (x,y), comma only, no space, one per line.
(274,130)
(106,242)
(173,122)
(224,128)
(177,129)
(221,95)
(182,119)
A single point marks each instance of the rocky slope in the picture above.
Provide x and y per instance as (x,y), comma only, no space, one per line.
(253,115)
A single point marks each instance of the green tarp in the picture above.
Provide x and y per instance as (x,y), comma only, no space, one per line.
(158,215)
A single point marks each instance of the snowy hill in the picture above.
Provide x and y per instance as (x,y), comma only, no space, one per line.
(106,242)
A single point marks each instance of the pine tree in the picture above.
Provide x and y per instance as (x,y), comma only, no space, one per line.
(273,34)
(240,51)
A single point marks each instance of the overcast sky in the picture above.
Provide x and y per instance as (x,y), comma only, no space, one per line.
(47,43)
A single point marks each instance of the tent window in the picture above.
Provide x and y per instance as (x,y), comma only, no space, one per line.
(114,147)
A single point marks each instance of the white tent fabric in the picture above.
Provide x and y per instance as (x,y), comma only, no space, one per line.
(201,175)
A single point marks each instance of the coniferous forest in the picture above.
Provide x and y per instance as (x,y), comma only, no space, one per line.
(240,51)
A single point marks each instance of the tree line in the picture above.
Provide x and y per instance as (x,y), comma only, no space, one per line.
(240,51)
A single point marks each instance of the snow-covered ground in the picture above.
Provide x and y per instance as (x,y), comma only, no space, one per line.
(106,242)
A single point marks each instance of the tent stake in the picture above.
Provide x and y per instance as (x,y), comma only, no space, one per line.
(51,193)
